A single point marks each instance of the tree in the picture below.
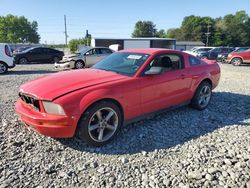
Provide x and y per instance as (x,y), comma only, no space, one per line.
(144,29)
(73,43)
(14,29)
(161,34)
(175,33)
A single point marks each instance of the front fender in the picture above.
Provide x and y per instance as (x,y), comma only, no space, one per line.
(98,95)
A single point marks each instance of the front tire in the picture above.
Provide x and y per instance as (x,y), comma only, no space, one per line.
(3,68)
(79,65)
(202,96)
(55,59)
(100,123)
(236,61)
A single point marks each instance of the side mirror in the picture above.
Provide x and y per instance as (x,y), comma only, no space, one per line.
(154,71)
(87,53)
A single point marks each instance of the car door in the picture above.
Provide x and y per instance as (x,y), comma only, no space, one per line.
(45,54)
(92,57)
(35,55)
(246,56)
(167,89)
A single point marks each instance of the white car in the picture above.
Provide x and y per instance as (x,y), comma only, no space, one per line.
(196,50)
(6,58)
(86,57)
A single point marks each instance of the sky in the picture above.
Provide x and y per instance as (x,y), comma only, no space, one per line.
(112,18)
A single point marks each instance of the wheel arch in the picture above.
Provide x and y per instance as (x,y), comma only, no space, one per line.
(239,57)
(116,102)
(205,78)
(4,63)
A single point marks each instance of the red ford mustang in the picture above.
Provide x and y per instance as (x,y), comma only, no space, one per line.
(94,103)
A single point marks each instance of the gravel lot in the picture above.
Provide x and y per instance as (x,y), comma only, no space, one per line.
(180,148)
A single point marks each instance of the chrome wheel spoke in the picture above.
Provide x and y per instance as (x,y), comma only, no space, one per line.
(100,135)
(110,127)
(94,127)
(99,115)
(111,113)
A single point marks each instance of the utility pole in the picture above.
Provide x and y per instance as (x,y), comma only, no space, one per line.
(65,31)
(208,34)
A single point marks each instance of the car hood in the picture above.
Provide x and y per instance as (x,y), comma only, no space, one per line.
(71,57)
(58,84)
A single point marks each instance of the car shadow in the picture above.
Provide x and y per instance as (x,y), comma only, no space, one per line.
(28,72)
(171,128)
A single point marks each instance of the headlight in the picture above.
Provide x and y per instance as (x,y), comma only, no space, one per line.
(229,55)
(52,108)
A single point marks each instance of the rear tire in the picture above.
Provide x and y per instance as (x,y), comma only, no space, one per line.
(202,96)
(236,61)
(23,60)
(100,123)
(79,65)
(3,68)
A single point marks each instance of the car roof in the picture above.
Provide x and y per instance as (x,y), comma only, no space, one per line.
(149,50)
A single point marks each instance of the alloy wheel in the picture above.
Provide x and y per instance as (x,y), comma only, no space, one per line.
(2,68)
(204,96)
(103,124)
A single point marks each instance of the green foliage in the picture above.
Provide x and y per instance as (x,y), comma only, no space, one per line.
(14,29)
(144,29)
(75,42)
(231,30)
(56,46)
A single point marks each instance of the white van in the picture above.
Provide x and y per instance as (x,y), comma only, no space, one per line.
(6,58)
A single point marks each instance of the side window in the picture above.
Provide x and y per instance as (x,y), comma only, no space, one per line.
(105,51)
(224,50)
(96,51)
(90,52)
(169,62)
(36,50)
(194,61)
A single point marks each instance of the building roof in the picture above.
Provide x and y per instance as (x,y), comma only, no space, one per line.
(192,43)
(148,50)
(146,38)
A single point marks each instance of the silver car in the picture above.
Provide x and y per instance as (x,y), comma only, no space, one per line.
(86,57)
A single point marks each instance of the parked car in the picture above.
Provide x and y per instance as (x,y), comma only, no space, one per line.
(238,49)
(94,103)
(197,50)
(6,58)
(238,58)
(213,54)
(38,54)
(86,57)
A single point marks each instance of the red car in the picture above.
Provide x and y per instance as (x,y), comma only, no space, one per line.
(237,58)
(94,103)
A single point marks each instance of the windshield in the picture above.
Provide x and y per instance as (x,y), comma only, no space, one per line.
(83,50)
(126,63)
(241,49)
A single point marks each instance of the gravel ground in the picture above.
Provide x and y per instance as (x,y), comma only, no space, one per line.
(180,148)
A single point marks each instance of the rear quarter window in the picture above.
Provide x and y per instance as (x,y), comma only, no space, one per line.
(194,61)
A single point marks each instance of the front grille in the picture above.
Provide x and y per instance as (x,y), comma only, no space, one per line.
(30,100)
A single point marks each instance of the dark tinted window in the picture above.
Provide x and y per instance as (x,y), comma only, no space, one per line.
(194,61)
(37,50)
